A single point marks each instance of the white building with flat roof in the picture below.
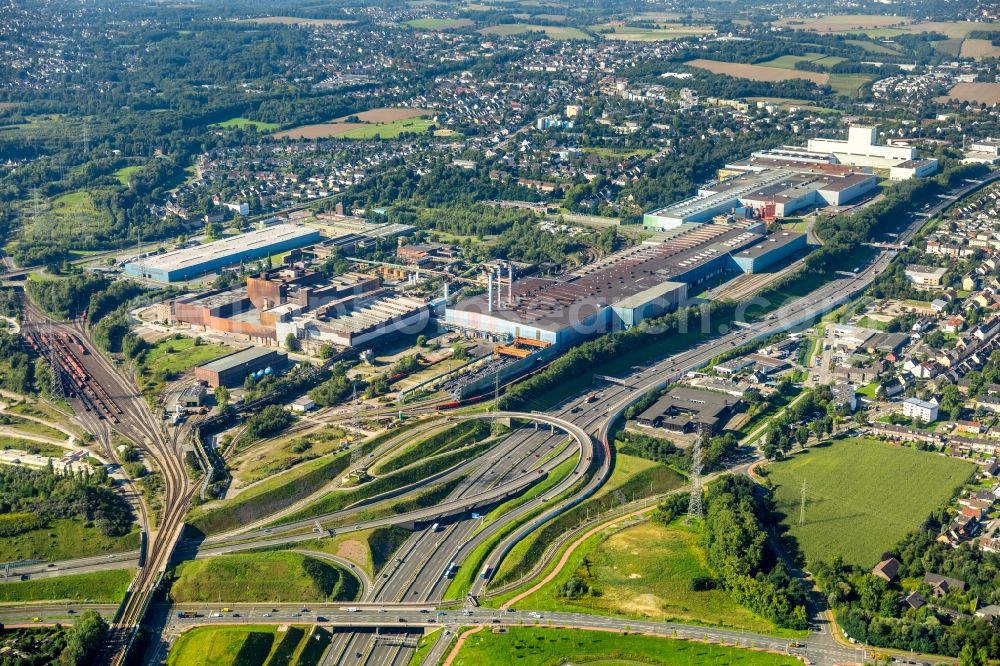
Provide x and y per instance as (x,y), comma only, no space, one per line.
(860,149)
(925,410)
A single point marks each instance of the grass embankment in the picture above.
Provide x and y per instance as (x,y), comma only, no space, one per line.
(262,577)
(64,539)
(251,645)
(282,490)
(530,646)
(248,645)
(31,446)
(340,500)
(646,571)
(284,453)
(28,427)
(632,478)
(455,437)
(100,587)
(862,496)
(369,549)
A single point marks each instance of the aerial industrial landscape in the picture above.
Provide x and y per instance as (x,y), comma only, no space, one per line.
(518,331)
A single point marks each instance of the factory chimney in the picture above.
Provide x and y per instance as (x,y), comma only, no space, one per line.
(489,290)
(510,284)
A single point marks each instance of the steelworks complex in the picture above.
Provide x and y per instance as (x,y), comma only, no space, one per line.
(625,287)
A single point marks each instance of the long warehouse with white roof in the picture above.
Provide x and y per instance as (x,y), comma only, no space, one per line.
(194,261)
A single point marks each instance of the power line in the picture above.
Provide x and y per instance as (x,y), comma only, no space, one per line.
(695,509)
(802,506)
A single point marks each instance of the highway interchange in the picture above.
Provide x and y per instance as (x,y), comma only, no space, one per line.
(416,575)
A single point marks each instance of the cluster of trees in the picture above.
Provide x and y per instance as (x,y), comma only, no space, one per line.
(738,554)
(269,421)
(334,390)
(18,367)
(77,645)
(814,414)
(46,495)
(872,610)
(585,358)
(843,234)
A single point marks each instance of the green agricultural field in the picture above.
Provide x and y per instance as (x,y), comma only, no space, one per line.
(439,23)
(243,123)
(100,587)
(270,577)
(64,539)
(663,32)
(389,130)
(247,645)
(558,33)
(872,47)
(645,572)
(530,646)
(848,85)
(862,496)
(789,61)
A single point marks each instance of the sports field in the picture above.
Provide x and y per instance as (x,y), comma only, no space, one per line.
(862,496)
(530,646)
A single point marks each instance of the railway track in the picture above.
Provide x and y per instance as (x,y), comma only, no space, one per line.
(111,402)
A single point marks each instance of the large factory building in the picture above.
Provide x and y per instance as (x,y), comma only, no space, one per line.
(191,262)
(616,292)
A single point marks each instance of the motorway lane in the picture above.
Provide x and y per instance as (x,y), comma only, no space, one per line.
(417,573)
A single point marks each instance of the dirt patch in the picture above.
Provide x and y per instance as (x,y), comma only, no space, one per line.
(644,603)
(318,131)
(386,115)
(986,93)
(756,72)
(979,49)
(355,551)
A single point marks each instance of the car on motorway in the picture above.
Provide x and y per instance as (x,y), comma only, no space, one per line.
(402,619)
(215,614)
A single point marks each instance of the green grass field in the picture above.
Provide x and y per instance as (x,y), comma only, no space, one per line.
(389,130)
(848,84)
(274,456)
(645,572)
(123,174)
(871,47)
(529,646)
(262,577)
(862,496)
(31,446)
(558,33)
(64,539)
(438,23)
(101,587)
(663,32)
(243,123)
(170,358)
(247,645)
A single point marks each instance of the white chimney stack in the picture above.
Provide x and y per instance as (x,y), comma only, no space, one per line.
(510,284)
(489,290)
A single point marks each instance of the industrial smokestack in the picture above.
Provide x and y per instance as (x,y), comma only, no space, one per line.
(510,284)
(489,290)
